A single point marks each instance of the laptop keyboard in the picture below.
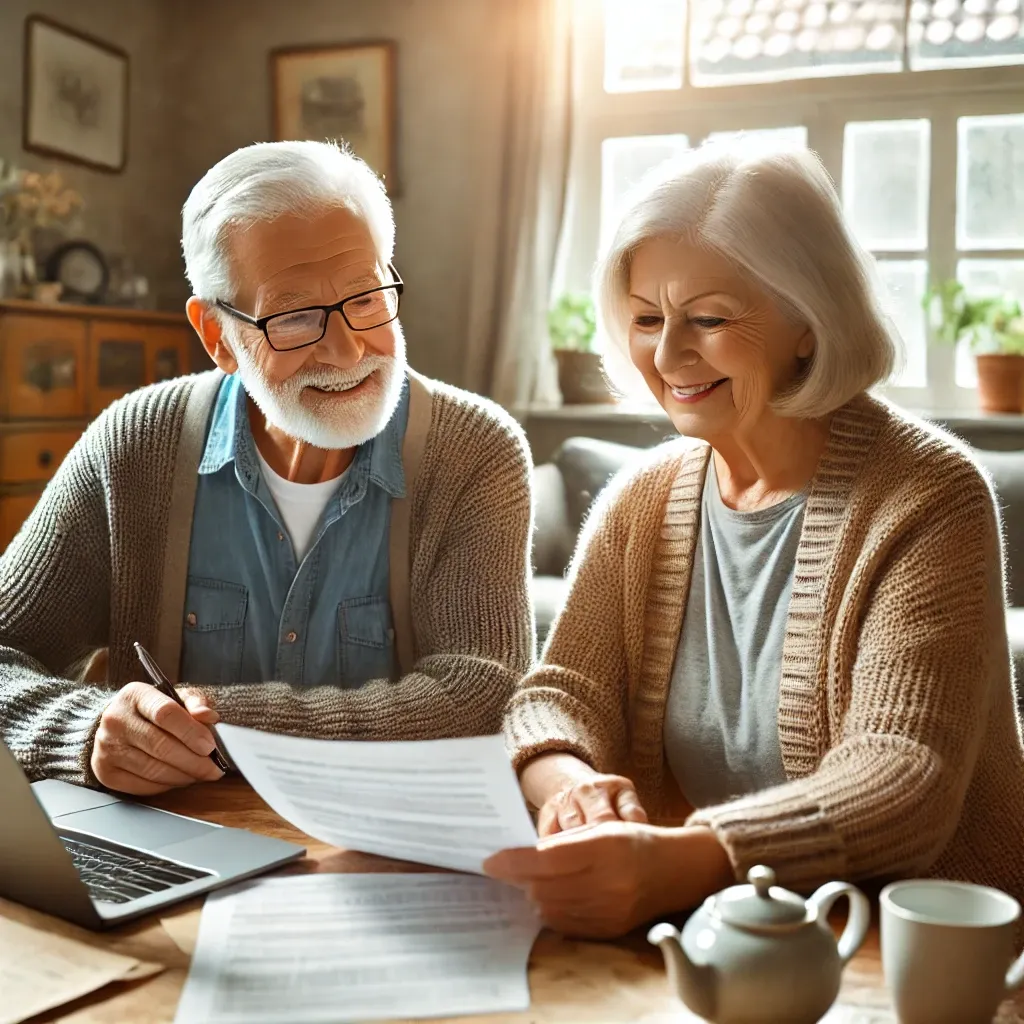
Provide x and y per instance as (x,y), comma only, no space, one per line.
(122,877)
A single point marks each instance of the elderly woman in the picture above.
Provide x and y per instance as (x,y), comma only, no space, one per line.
(784,642)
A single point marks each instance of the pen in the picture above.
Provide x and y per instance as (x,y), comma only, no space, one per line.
(163,684)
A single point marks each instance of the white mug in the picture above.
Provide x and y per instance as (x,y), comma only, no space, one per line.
(947,950)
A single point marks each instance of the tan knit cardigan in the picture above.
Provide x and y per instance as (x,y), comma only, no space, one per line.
(897,719)
(102,562)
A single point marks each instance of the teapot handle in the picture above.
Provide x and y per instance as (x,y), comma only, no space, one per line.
(856,925)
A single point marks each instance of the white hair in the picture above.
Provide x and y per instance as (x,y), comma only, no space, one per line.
(774,214)
(267,180)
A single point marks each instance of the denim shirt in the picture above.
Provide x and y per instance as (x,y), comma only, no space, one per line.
(251,613)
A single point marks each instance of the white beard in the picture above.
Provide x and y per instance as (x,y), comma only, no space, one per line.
(338,424)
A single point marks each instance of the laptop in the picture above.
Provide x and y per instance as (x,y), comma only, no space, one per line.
(99,860)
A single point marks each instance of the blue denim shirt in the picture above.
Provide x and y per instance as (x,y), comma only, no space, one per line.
(251,613)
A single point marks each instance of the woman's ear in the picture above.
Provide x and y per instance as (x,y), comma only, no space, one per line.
(208,327)
(806,345)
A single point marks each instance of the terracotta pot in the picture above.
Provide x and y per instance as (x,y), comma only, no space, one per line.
(581,378)
(1001,383)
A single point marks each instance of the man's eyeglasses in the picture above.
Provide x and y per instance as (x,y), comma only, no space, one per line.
(298,328)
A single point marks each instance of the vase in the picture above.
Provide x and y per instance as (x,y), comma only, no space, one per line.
(1001,383)
(10,269)
(581,378)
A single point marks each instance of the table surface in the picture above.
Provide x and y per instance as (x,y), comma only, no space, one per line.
(570,981)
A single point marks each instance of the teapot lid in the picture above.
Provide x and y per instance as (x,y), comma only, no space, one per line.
(760,904)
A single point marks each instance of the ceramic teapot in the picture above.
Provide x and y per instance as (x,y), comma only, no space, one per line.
(757,952)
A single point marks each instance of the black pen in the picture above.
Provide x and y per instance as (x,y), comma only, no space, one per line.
(163,684)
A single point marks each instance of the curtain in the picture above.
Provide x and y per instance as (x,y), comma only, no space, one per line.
(519,206)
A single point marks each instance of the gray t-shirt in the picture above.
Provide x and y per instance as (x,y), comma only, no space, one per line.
(722,718)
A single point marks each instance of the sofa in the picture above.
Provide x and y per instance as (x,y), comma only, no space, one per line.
(566,487)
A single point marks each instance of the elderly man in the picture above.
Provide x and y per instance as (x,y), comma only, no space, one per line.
(312,539)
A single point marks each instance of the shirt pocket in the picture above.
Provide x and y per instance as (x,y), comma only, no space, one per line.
(214,631)
(365,640)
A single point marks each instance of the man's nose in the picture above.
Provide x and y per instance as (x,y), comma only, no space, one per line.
(340,346)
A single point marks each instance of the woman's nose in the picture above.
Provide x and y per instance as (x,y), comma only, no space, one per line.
(675,350)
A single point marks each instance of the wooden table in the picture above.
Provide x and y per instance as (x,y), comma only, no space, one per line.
(570,981)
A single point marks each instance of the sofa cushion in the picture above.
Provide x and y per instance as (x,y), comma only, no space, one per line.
(1007,472)
(548,596)
(554,535)
(587,465)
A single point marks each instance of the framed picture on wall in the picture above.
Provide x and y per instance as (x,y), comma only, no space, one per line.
(76,96)
(344,92)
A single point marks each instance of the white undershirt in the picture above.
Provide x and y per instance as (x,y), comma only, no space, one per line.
(300,505)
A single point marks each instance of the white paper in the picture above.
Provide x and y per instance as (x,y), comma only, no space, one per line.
(446,803)
(313,949)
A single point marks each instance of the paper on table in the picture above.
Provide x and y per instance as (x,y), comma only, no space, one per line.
(447,803)
(40,970)
(183,929)
(318,948)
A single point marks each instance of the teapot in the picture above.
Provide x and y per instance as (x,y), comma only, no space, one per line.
(757,952)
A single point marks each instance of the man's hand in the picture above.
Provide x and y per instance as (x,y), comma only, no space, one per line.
(570,793)
(604,880)
(146,743)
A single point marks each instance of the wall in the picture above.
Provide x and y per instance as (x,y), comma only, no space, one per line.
(133,211)
(445,49)
(200,88)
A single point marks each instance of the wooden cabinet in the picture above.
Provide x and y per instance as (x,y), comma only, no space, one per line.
(60,366)
(44,367)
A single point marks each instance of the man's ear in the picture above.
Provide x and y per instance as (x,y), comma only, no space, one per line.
(207,326)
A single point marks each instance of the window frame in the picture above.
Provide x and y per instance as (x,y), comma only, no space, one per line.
(824,105)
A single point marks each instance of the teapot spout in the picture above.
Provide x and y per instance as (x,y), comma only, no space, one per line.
(693,984)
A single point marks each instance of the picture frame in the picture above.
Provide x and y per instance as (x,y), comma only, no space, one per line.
(75,96)
(343,92)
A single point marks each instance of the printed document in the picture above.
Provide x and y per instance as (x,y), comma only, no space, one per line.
(446,803)
(320,949)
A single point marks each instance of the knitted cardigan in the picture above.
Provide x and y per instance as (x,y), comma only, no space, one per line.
(101,562)
(897,719)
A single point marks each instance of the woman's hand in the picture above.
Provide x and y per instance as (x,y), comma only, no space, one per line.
(570,793)
(604,880)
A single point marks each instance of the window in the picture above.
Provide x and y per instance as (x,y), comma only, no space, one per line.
(989,212)
(765,40)
(903,101)
(624,164)
(885,199)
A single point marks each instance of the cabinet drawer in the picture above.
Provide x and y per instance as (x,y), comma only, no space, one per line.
(117,361)
(167,353)
(31,455)
(14,510)
(43,367)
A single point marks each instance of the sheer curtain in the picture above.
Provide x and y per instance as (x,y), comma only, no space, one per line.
(519,205)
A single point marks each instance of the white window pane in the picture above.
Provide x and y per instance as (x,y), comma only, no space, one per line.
(643,45)
(624,164)
(905,282)
(767,40)
(885,183)
(764,137)
(965,33)
(990,182)
(982,278)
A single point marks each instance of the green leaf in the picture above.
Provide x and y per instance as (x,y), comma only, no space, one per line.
(988,324)
(572,322)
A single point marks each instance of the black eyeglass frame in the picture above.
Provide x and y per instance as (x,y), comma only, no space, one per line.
(261,322)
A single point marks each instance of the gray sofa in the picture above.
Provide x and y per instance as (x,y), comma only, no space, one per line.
(567,486)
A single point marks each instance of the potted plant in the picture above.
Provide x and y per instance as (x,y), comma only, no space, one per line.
(993,328)
(572,325)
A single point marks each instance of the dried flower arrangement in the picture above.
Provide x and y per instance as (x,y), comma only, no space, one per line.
(31,200)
